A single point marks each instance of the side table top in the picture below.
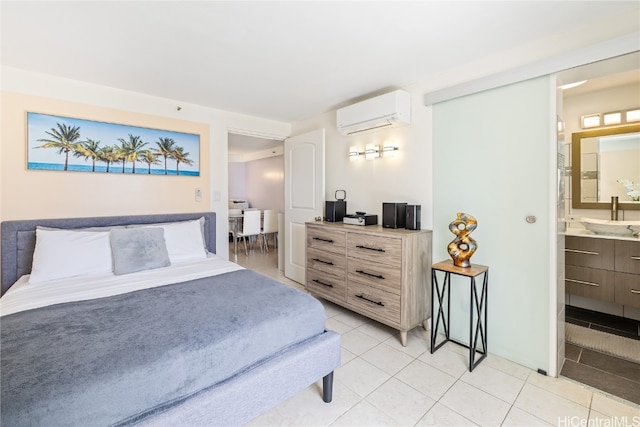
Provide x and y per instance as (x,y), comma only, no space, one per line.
(471,271)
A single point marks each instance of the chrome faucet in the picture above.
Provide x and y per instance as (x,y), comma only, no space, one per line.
(614,208)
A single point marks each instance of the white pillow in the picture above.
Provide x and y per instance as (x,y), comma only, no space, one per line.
(184,240)
(68,253)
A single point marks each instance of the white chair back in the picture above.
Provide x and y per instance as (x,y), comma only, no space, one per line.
(270,221)
(251,223)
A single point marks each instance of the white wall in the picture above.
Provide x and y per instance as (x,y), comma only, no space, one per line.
(237,180)
(220,123)
(265,183)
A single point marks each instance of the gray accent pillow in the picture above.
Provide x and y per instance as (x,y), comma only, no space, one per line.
(137,249)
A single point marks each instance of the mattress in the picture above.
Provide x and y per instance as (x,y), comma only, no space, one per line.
(118,358)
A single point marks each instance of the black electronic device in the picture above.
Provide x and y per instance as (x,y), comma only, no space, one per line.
(334,211)
(413,217)
(394,215)
(360,218)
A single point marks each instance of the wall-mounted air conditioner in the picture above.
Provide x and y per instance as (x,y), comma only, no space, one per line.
(388,110)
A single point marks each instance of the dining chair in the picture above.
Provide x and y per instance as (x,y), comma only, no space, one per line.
(250,228)
(270,227)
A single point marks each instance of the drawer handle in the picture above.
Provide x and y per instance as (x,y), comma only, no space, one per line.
(635,257)
(322,261)
(575,251)
(369,248)
(328,285)
(377,276)
(581,282)
(635,291)
(323,240)
(361,296)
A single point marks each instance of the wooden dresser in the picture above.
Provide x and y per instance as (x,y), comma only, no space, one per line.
(381,273)
(603,269)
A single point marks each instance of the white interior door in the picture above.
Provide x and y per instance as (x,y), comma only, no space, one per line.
(303,196)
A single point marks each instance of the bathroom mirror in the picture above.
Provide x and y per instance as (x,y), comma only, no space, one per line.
(603,161)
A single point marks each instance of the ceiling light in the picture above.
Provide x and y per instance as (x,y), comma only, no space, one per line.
(571,85)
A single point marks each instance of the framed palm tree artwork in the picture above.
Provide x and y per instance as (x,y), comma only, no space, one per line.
(76,145)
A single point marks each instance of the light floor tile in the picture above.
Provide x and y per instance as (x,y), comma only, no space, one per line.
(440,415)
(404,404)
(615,406)
(507,366)
(366,415)
(415,344)
(361,376)
(337,326)
(475,404)
(387,358)
(346,356)
(358,342)
(377,330)
(448,361)
(307,408)
(351,318)
(494,382)
(519,418)
(547,405)
(426,379)
(568,389)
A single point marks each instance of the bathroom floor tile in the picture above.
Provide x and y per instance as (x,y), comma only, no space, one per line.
(614,323)
(614,365)
(570,390)
(602,380)
(549,406)
(572,352)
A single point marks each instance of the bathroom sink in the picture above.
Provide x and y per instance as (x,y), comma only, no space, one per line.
(612,228)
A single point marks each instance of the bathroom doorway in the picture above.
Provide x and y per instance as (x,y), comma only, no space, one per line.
(602,346)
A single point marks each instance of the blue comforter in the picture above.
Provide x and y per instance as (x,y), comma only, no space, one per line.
(115,360)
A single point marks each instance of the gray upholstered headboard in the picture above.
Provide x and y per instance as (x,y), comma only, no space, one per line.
(19,237)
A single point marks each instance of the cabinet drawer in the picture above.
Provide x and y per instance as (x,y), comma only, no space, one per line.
(589,282)
(374,303)
(330,262)
(374,274)
(627,291)
(326,239)
(385,250)
(628,257)
(589,252)
(326,285)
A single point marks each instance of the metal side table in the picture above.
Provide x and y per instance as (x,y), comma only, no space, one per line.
(477,307)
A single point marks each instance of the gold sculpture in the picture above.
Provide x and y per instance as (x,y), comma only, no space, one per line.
(463,246)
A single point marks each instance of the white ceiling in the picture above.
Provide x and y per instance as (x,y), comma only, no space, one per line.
(292,60)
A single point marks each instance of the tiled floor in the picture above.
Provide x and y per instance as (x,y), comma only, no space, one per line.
(604,372)
(383,383)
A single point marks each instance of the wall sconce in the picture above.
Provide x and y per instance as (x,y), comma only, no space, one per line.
(372,152)
(610,119)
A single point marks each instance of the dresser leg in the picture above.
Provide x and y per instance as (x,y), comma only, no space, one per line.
(425,324)
(403,338)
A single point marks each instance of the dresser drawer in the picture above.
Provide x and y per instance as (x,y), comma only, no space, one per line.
(378,275)
(326,239)
(329,262)
(323,284)
(589,282)
(627,258)
(589,252)
(627,291)
(374,303)
(384,250)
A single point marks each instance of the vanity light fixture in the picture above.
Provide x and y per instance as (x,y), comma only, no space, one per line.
(590,121)
(610,119)
(632,115)
(372,152)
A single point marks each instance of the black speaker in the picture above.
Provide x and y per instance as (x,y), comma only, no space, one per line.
(394,215)
(413,217)
(334,211)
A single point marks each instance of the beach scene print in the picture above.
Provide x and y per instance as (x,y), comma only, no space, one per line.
(76,145)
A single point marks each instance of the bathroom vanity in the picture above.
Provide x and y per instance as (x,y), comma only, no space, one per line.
(605,268)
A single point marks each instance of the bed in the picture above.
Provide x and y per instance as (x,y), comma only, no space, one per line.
(165,337)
